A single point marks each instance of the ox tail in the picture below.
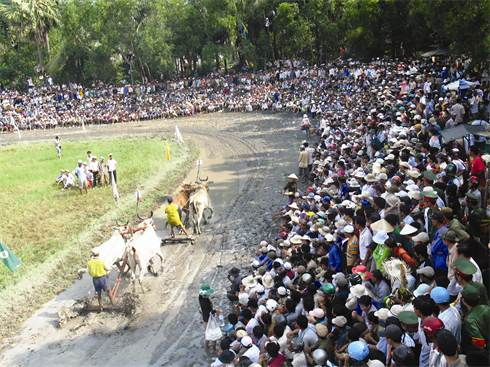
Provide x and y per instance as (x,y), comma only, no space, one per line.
(81,271)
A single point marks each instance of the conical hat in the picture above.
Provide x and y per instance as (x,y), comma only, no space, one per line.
(292,175)
(382,225)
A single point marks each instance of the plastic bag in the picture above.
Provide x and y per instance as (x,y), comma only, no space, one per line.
(213,331)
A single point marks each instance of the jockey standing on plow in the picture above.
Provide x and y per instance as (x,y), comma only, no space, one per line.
(173,217)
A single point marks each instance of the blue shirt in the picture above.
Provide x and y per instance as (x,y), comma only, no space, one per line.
(334,258)
(437,246)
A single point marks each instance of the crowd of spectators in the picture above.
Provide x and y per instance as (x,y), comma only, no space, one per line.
(289,85)
(381,256)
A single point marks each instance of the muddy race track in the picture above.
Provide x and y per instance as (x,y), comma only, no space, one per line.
(248,156)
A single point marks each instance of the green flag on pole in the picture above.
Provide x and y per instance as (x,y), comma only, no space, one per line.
(9,258)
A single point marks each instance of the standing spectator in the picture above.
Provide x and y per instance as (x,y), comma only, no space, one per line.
(111,167)
(459,109)
(93,167)
(57,145)
(303,163)
(477,320)
(439,251)
(103,172)
(352,252)
(478,167)
(82,177)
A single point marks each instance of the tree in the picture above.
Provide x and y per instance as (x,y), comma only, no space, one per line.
(32,20)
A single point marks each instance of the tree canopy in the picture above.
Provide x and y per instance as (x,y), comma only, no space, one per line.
(86,41)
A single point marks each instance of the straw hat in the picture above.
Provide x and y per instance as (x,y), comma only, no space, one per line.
(382,225)
(370,178)
(296,240)
(249,281)
(267,281)
(292,175)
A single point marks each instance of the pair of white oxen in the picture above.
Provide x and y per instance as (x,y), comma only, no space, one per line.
(140,250)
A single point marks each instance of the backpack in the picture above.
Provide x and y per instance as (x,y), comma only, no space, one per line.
(376,143)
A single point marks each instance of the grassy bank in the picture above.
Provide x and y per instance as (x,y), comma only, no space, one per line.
(51,230)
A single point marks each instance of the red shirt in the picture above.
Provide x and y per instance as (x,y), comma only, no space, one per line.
(478,166)
(276,362)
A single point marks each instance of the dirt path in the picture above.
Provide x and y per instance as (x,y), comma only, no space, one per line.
(248,157)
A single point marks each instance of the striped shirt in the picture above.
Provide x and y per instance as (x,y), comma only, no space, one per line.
(452,321)
(352,253)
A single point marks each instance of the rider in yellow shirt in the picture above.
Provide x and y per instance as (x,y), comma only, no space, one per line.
(98,271)
(173,217)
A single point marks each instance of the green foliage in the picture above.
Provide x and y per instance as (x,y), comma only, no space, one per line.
(93,38)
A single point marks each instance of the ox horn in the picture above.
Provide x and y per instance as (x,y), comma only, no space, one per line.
(151,215)
(202,179)
(117,222)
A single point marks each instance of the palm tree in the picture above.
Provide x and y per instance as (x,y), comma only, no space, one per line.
(32,20)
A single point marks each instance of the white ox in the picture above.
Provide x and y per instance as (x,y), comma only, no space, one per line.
(145,248)
(112,251)
(198,202)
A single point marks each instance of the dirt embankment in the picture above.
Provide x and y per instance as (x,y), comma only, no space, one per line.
(248,157)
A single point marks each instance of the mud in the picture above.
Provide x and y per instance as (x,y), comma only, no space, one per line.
(248,156)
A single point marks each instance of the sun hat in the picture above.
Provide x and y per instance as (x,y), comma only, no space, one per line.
(243,299)
(296,239)
(249,281)
(358,290)
(292,175)
(382,313)
(380,237)
(267,281)
(206,289)
(80,161)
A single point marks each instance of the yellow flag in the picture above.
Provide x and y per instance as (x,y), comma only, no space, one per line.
(168,151)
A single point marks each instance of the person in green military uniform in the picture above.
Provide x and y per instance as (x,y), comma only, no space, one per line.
(409,321)
(463,272)
(429,179)
(473,215)
(455,225)
(477,320)
(429,200)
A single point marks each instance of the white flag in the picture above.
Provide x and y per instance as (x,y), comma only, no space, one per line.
(114,187)
(83,126)
(178,135)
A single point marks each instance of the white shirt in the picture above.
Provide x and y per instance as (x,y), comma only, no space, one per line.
(111,165)
(253,354)
(364,241)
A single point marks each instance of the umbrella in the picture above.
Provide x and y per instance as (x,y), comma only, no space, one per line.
(458,84)
(438,52)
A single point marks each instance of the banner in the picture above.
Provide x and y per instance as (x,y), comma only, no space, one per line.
(8,258)
(167,149)
(177,134)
